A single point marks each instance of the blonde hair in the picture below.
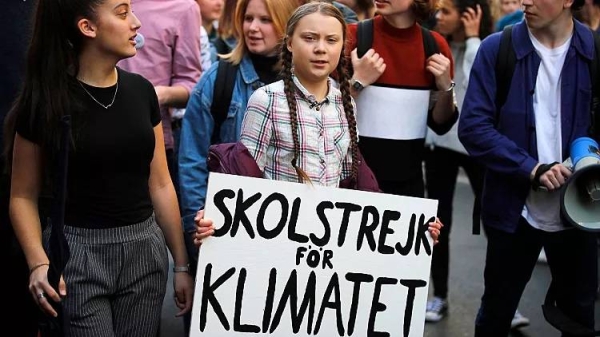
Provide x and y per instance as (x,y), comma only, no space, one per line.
(279,11)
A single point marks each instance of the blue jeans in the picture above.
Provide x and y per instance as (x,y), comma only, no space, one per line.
(572,257)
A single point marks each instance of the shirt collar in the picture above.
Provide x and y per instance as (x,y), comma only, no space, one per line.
(331,91)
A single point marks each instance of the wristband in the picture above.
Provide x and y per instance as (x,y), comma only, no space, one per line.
(543,168)
(181,269)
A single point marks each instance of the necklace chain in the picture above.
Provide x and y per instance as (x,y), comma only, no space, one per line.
(94,98)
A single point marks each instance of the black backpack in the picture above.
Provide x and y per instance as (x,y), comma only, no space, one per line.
(364,38)
(222,94)
(505,66)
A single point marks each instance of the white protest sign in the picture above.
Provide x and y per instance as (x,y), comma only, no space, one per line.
(294,259)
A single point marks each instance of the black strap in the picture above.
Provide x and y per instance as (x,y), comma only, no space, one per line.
(221,46)
(364,37)
(429,43)
(223,91)
(58,247)
(560,321)
(430,47)
(595,78)
(505,67)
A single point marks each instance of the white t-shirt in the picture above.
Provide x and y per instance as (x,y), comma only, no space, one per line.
(542,208)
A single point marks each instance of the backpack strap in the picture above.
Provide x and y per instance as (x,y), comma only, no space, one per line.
(223,91)
(505,67)
(221,46)
(595,78)
(429,44)
(364,37)
(560,321)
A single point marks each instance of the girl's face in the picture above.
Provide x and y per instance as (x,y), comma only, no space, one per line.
(259,32)
(393,7)
(316,47)
(509,6)
(448,18)
(113,30)
(210,10)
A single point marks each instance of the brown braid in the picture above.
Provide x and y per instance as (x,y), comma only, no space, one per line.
(349,109)
(290,95)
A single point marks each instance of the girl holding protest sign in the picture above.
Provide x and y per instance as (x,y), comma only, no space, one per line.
(303,128)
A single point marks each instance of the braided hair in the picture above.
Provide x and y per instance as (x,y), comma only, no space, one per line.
(326,9)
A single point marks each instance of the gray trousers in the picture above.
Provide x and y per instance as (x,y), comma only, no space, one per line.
(116,280)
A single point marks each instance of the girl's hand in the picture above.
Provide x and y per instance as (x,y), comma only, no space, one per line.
(183,284)
(204,228)
(42,292)
(439,66)
(471,19)
(434,229)
(368,68)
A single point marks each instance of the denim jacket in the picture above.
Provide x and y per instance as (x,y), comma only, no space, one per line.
(505,142)
(196,132)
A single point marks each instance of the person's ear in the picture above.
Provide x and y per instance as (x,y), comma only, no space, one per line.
(288,43)
(87,27)
(568,3)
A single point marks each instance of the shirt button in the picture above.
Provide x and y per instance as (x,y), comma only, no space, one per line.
(322,161)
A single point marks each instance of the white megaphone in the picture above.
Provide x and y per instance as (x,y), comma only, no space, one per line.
(580,196)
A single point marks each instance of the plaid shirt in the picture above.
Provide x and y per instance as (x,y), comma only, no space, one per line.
(322,131)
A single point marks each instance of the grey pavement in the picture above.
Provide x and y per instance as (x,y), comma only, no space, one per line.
(465,286)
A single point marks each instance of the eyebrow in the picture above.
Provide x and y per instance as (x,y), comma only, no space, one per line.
(121,4)
(316,33)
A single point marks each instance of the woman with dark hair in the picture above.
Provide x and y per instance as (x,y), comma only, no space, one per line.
(121,205)
(464,23)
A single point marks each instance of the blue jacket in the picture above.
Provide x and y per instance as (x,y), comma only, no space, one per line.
(196,132)
(505,142)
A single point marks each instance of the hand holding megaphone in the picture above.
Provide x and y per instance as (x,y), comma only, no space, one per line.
(550,177)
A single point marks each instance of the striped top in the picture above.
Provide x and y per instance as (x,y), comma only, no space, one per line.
(323,134)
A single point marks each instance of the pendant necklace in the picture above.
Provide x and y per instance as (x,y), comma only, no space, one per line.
(94,98)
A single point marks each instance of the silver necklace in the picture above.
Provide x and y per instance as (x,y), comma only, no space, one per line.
(94,98)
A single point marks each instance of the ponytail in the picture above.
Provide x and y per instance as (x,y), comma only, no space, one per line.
(49,83)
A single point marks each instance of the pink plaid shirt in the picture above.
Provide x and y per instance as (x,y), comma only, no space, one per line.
(323,135)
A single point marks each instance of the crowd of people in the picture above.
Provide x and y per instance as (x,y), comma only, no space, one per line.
(151,85)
